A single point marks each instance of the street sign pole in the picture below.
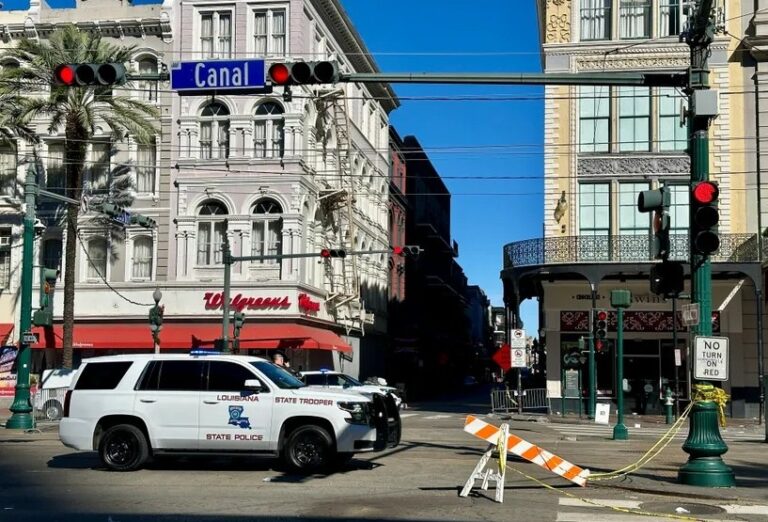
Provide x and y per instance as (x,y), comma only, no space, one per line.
(705,467)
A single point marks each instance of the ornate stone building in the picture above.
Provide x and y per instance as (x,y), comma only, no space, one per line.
(602,146)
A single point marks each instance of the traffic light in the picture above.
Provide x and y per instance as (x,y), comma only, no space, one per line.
(704,218)
(89,74)
(44,316)
(667,278)
(330,252)
(117,213)
(407,250)
(303,73)
(658,202)
(142,220)
(601,327)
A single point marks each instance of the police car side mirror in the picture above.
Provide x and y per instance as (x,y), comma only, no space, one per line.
(253,385)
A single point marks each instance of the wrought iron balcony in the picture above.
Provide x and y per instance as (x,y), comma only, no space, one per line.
(734,248)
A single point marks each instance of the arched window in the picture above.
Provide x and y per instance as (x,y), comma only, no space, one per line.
(268,131)
(142,258)
(267,229)
(148,88)
(214,132)
(210,232)
(97,258)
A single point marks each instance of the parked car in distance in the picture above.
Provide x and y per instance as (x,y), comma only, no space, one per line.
(49,397)
(338,380)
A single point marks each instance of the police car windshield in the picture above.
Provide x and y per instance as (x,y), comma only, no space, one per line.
(282,378)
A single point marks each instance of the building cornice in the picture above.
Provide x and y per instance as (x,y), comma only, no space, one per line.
(135,27)
(618,48)
(352,46)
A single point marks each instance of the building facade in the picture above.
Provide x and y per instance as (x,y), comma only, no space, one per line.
(435,349)
(603,145)
(274,173)
(136,258)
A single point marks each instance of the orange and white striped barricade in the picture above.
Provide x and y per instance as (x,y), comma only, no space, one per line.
(528,451)
(487,474)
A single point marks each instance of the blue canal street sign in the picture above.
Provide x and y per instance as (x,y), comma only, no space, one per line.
(222,76)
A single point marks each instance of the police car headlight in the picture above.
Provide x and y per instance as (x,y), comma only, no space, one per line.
(359,412)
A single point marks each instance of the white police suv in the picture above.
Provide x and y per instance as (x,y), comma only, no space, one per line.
(130,407)
(342,381)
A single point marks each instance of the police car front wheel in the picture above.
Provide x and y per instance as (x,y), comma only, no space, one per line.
(123,448)
(308,448)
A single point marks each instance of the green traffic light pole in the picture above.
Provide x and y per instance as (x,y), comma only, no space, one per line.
(705,466)
(620,299)
(21,418)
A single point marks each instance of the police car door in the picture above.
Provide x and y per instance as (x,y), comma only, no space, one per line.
(231,417)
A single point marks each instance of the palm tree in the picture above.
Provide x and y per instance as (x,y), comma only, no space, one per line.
(77,111)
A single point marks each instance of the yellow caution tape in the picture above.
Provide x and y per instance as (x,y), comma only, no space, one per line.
(649,455)
(706,392)
(614,508)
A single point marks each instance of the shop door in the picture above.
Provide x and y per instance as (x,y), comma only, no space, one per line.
(642,377)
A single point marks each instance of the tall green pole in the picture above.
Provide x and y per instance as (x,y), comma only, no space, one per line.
(705,466)
(592,377)
(227,258)
(620,431)
(21,407)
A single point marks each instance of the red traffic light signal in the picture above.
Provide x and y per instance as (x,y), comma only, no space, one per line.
(705,192)
(64,74)
(85,74)
(303,73)
(704,217)
(602,315)
(331,252)
(407,250)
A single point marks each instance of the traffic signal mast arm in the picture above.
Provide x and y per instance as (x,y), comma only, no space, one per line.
(672,79)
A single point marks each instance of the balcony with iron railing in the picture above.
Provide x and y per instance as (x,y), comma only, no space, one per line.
(734,248)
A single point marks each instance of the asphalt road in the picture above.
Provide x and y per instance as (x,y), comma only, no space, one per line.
(40,479)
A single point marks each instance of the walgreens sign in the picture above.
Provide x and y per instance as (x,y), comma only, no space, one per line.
(215,301)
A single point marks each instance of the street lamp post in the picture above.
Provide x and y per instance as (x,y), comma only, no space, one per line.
(620,299)
(21,407)
(156,318)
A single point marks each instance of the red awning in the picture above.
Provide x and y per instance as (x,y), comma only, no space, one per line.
(5,331)
(177,336)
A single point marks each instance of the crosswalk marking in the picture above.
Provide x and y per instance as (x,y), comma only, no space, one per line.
(435,417)
(646,431)
(610,514)
(405,415)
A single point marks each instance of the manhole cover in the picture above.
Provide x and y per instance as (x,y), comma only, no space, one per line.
(690,508)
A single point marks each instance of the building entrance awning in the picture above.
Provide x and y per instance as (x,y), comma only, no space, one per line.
(176,336)
(5,332)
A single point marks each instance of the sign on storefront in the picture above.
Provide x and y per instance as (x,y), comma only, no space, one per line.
(710,358)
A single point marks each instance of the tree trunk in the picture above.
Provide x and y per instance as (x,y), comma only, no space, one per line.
(75,158)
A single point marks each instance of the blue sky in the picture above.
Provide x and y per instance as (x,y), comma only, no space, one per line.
(396,31)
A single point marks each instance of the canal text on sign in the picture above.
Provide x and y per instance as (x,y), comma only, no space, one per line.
(218,75)
(711,359)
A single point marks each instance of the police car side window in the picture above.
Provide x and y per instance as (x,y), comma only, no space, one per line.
(314,379)
(228,376)
(149,377)
(102,376)
(180,376)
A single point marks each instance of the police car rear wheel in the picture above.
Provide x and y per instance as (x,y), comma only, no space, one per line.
(123,448)
(308,448)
